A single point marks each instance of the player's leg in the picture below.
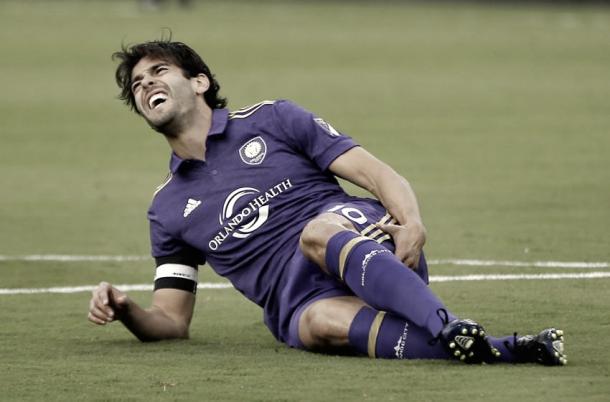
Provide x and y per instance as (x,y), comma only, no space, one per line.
(371,271)
(380,279)
(347,324)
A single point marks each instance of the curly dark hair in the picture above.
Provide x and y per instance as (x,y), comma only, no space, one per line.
(174,52)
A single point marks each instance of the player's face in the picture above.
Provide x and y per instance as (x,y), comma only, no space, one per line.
(163,95)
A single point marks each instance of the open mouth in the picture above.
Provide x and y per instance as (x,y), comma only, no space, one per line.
(156,100)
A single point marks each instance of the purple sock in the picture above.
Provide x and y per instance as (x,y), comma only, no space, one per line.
(375,275)
(386,336)
(506,355)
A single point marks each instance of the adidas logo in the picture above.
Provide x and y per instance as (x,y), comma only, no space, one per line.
(190,206)
(464,341)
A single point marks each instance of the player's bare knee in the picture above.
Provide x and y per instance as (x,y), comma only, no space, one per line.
(317,329)
(317,233)
(324,325)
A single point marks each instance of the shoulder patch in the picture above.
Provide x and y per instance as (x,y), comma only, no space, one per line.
(330,130)
(249,110)
(168,178)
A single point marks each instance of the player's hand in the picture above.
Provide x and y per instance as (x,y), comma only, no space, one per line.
(409,240)
(107,304)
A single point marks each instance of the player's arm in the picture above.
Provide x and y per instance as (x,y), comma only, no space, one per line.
(168,317)
(173,301)
(395,193)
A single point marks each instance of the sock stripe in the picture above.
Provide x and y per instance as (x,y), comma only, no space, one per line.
(345,252)
(374,332)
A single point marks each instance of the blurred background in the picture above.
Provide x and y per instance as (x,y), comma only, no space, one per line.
(496,112)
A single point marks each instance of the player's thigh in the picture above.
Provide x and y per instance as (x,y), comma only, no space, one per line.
(317,233)
(325,323)
(321,228)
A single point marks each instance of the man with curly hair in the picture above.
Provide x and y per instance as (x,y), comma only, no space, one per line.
(254,194)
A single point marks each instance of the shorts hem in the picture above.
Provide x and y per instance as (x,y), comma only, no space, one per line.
(294,341)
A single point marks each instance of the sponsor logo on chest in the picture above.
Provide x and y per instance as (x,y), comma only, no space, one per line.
(243,222)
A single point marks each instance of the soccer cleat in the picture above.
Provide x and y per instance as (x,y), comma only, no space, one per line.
(545,348)
(466,341)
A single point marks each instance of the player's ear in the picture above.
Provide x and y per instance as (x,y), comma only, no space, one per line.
(200,83)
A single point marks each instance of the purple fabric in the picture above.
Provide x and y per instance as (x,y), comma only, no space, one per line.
(265,175)
(375,275)
(506,355)
(362,213)
(401,339)
(397,338)
(359,329)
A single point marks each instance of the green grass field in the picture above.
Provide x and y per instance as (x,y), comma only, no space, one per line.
(498,115)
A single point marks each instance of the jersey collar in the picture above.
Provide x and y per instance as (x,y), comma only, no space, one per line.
(219,123)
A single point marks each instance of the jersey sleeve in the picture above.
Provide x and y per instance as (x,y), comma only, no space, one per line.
(176,263)
(310,134)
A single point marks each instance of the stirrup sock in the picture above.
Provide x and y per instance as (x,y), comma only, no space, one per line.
(375,275)
(386,336)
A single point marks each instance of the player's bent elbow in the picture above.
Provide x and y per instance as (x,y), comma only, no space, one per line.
(177,333)
(183,333)
(161,329)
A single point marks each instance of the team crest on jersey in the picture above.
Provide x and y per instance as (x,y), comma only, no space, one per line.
(253,152)
(326,127)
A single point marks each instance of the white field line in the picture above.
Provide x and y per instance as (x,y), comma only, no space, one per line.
(226,285)
(509,277)
(89,288)
(524,264)
(73,258)
(462,262)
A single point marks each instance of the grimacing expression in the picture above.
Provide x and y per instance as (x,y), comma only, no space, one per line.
(163,95)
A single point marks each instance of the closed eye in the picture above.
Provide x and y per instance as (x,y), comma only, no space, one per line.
(161,69)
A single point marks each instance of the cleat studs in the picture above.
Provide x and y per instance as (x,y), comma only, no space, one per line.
(457,353)
(470,354)
(474,331)
(563,361)
(464,331)
(482,333)
(497,353)
(556,354)
(559,332)
(452,345)
(463,357)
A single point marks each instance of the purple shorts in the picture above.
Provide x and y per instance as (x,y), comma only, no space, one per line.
(304,282)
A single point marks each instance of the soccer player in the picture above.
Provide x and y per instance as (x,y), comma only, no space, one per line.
(254,193)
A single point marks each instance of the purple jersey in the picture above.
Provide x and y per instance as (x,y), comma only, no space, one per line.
(264,177)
